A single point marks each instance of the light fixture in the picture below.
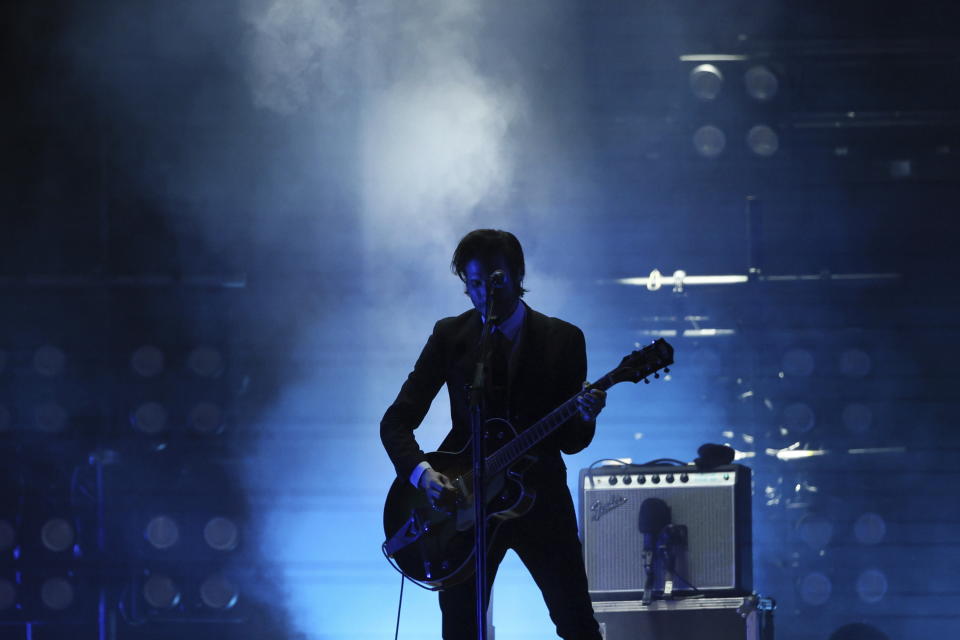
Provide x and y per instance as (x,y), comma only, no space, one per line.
(656,280)
(162,532)
(147,361)
(706,81)
(217,592)
(872,586)
(709,141)
(855,363)
(761,83)
(149,418)
(206,362)
(57,593)
(815,530)
(161,592)
(763,140)
(8,535)
(221,534)
(57,535)
(815,588)
(8,594)
(206,417)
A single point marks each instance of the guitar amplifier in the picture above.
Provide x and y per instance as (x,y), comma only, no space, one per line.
(713,507)
(734,618)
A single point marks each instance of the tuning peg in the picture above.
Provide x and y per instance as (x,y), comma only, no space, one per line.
(656,374)
(666,369)
(645,381)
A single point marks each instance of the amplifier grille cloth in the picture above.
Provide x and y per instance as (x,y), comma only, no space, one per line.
(613,545)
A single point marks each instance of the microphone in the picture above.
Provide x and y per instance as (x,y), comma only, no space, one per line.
(714,455)
(654,517)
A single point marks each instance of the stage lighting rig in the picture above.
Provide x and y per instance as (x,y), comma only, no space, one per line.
(183,541)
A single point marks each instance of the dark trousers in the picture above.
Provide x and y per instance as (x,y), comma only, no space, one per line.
(546,540)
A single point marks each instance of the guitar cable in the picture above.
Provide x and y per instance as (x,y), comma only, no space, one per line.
(383,549)
(396,632)
(628,465)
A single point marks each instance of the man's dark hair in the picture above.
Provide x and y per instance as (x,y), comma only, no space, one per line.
(486,245)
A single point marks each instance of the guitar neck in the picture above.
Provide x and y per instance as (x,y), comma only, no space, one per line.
(528,438)
(633,368)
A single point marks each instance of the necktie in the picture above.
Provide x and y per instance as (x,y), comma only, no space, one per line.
(499,380)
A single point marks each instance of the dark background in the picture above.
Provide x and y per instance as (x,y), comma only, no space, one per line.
(155,192)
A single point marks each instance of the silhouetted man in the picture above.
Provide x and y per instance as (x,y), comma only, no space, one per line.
(542,364)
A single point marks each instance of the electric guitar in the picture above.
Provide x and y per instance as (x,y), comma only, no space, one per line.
(433,544)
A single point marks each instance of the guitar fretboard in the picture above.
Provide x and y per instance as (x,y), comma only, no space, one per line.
(526,439)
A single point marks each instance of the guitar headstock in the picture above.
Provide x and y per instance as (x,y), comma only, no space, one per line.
(656,356)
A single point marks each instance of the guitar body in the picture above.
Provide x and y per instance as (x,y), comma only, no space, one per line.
(438,547)
(434,544)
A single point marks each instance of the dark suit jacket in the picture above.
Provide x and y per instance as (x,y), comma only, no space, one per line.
(548,367)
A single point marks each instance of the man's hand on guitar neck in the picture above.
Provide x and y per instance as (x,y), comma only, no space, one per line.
(434,484)
(591,403)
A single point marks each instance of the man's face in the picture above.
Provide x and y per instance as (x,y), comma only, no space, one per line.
(505,298)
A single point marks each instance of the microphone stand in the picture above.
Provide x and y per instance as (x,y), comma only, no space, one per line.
(648,576)
(479,499)
(665,551)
